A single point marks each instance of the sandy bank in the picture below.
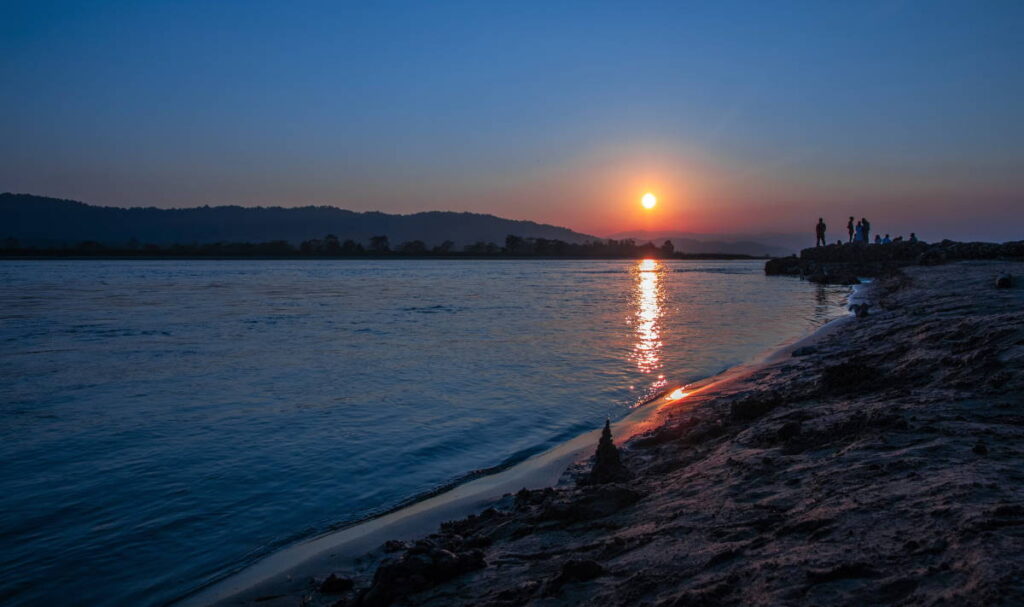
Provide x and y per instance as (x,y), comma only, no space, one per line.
(883,466)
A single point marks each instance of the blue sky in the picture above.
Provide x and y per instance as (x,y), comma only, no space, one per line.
(741,116)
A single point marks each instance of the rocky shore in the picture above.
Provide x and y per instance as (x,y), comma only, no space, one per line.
(883,464)
(844,263)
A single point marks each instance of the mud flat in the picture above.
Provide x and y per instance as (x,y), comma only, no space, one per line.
(882,463)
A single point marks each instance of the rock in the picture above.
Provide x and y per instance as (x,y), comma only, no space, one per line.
(754,406)
(931,257)
(608,467)
(1004,281)
(336,584)
(842,572)
(789,431)
(394,546)
(579,571)
(520,594)
(593,502)
(418,570)
(805,351)
(849,376)
(860,310)
(783,266)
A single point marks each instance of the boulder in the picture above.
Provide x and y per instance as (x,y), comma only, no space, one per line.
(420,568)
(336,584)
(849,376)
(860,310)
(577,570)
(754,405)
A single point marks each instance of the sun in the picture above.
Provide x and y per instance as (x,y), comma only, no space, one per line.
(649,200)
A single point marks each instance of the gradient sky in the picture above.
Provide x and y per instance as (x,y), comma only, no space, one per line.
(741,116)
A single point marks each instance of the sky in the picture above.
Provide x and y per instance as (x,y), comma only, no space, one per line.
(754,117)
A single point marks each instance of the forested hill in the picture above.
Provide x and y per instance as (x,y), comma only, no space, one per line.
(45,222)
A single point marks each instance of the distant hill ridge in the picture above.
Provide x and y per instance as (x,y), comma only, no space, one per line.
(43,222)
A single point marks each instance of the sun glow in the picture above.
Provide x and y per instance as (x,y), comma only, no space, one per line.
(649,200)
(677,394)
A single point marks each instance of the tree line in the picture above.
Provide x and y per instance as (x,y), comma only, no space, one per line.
(331,246)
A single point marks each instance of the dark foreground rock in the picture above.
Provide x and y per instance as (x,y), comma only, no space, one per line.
(844,263)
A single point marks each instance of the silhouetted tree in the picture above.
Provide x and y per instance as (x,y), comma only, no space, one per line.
(89,246)
(379,244)
(445,247)
(413,247)
(331,245)
(480,248)
(313,246)
(668,249)
(351,247)
(513,243)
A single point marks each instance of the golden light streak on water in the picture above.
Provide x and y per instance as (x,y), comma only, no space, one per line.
(647,312)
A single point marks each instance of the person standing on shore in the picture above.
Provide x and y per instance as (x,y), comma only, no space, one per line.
(858,235)
(819,231)
(867,229)
(849,228)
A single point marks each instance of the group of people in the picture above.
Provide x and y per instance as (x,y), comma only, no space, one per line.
(859,232)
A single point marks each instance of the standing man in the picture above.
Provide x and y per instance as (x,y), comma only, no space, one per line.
(849,228)
(867,229)
(819,230)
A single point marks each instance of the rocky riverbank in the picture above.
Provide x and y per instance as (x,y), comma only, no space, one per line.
(844,263)
(883,464)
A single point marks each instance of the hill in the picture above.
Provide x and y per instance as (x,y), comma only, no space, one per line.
(40,221)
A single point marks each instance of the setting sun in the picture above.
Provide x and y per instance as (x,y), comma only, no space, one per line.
(649,200)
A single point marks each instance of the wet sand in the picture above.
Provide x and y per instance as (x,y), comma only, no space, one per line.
(883,465)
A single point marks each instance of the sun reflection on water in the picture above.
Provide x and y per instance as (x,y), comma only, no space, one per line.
(647,304)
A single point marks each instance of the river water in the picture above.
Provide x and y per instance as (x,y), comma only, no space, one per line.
(164,423)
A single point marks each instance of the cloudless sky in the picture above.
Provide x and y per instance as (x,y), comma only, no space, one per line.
(740,116)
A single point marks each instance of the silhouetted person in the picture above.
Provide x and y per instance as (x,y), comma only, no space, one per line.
(878,239)
(819,231)
(913,237)
(849,228)
(859,233)
(867,229)
(885,240)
